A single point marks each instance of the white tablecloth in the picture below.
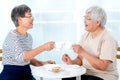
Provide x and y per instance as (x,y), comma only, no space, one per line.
(1,66)
(68,71)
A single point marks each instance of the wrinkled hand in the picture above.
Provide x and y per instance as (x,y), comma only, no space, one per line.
(77,48)
(49,45)
(66,59)
(49,62)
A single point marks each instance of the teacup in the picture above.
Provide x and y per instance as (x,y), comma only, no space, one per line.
(59,45)
(68,45)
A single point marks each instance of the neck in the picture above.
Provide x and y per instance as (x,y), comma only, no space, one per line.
(97,32)
(21,31)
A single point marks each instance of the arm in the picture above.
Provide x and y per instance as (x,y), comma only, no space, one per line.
(77,61)
(36,62)
(32,53)
(68,60)
(94,61)
(97,63)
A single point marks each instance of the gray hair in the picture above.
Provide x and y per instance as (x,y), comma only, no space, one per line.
(19,11)
(97,14)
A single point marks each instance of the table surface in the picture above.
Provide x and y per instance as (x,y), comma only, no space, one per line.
(68,71)
(1,66)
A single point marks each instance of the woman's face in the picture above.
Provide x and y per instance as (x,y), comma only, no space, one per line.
(90,25)
(27,21)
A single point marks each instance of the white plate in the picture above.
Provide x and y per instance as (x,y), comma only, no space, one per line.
(50,67)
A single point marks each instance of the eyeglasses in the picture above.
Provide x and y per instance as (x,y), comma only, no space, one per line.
(87,18)
(31,17)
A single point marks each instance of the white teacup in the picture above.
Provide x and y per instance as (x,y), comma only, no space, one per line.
(68,45)
(59,45)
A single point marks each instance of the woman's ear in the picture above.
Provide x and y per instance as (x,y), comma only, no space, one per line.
(98,23)
(19,20)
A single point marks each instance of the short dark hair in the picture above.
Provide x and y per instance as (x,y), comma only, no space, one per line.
(19,11)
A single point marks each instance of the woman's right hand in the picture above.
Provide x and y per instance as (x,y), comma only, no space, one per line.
(49,45)
(66,59)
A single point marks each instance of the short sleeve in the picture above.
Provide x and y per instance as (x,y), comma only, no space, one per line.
(108,48)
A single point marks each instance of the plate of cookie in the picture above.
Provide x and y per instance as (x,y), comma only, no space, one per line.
(54,67)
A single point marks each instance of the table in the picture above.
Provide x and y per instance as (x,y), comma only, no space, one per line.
(68,71)
(1,66)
